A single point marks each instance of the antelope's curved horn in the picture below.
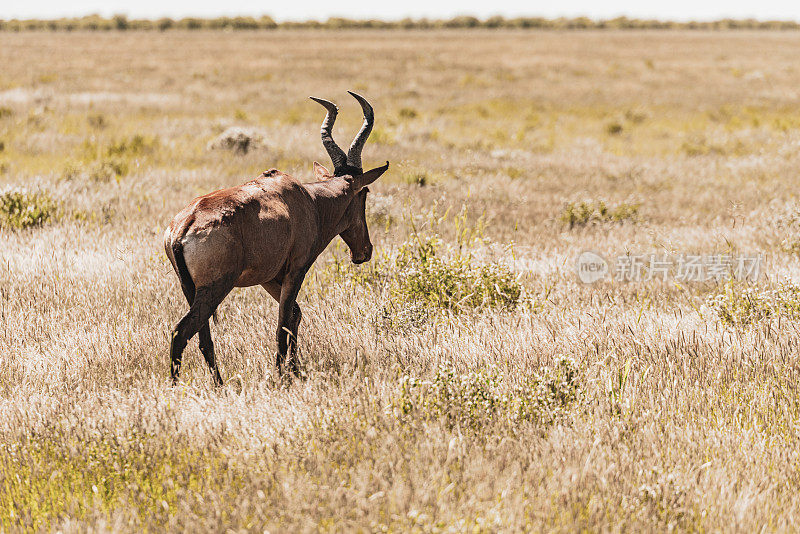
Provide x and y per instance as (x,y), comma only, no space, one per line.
(337,155)
(354,152)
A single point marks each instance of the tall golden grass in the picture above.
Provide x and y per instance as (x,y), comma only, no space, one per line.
(539,404)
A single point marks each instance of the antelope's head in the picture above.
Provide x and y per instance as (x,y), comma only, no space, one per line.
(348,167)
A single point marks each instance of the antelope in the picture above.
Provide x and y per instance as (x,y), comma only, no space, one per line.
(268,232)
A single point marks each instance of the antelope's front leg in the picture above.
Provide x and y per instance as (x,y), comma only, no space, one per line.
(288,320)
(294,359)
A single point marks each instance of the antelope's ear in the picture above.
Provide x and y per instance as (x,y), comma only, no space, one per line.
(320,172)
(363,180)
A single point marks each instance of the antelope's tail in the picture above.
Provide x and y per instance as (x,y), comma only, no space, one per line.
(183,271)
(185,277)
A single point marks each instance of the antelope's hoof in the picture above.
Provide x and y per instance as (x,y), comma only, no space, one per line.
(299,373)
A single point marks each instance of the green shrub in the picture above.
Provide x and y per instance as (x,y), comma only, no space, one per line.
(588,212)
(116,159)
(136,145)
(514,172)
(637,116)
(743,306)
(474,400)
(420,272)
(452,283)
(419,178)
(699,145)
(107,169)
(790,245)
(407,113)
(20,209)
(97,120)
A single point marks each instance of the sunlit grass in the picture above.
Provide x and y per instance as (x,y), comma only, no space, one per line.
(464,379)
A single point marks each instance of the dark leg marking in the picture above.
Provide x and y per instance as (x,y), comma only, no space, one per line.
(206,300)
(207,348)
(289,316)
(294,360)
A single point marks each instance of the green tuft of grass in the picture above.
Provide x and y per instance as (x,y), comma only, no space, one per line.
(20,209)
(408,113)
(107,169)
(56,476)
(115,160)
(479,399)
(744,306)
(452,283)
(97,120)
(514,172)
(614,128)
(586,212)
(419,178)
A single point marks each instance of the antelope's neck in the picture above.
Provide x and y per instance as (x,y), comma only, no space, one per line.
(331,199)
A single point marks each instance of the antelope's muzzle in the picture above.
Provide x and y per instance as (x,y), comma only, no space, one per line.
(363,257)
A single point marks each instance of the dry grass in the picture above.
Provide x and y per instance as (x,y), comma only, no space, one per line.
(633,406)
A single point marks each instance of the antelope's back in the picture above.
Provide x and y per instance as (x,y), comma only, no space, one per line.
(248,232)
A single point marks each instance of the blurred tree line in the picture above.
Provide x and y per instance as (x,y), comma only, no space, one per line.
(123,23)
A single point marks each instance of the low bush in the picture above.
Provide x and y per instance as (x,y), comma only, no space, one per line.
(423,272)
(20,209)
(237,139)
(589,212)
(452,283)
(408,113)
(743,306)
(104,162)
(614,128)
(474,400)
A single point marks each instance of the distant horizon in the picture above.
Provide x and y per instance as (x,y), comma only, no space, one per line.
(317,10)
(390,20)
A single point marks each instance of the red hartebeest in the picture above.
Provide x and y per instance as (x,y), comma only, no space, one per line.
(268,232)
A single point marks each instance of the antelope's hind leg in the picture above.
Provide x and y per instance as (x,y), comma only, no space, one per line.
(207,348)
(206,343)
(205,302)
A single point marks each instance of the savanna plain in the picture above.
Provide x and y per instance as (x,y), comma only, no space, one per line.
(464,379)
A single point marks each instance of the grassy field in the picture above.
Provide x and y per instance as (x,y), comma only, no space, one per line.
(465,379)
